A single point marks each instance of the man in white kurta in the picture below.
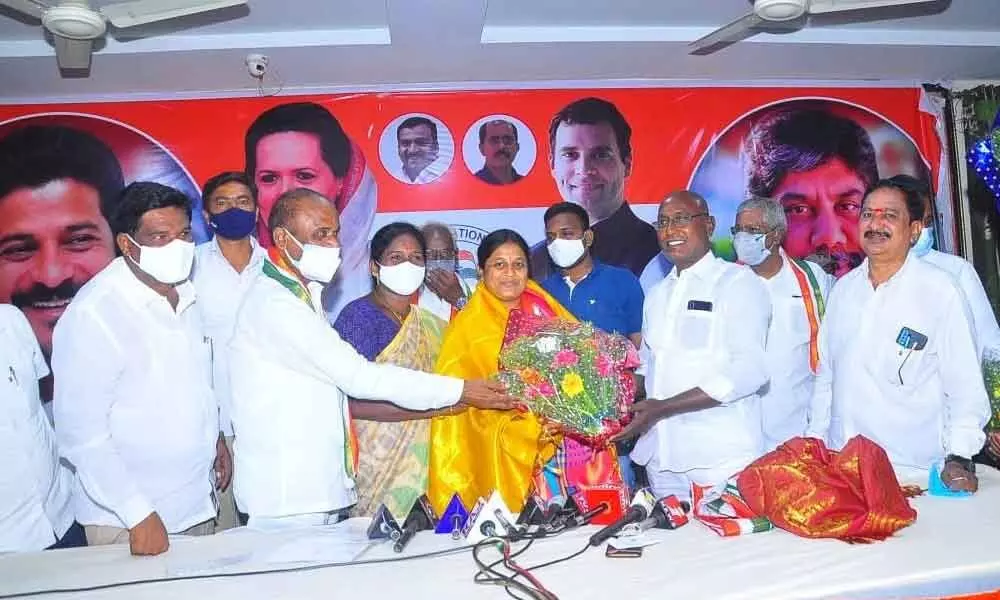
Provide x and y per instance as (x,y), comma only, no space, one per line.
(704,330)
(134,409)
(35,509)
(291,376)
(898,362)
(798,290)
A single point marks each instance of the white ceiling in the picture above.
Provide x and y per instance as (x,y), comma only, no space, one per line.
(315,45)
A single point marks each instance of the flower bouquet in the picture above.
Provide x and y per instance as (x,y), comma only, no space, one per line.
(991,376)
(574,377)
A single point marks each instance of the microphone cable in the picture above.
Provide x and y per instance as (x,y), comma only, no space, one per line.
(194,577)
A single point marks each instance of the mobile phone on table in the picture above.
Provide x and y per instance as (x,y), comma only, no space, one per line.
(612,552)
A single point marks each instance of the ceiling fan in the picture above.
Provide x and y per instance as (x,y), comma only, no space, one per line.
(74,25)
(768,12)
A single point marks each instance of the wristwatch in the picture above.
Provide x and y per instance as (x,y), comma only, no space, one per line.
(462,301)
(965,463)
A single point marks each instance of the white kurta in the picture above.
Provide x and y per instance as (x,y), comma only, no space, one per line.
(220,291)
(35,488)
(706,328)
(983,319)
(784,403)
(134,408)
(919,405)
(291,376)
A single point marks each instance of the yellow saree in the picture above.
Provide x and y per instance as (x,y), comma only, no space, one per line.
(478,451)
(392,457)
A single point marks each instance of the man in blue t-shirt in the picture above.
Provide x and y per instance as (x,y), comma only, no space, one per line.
(609,297)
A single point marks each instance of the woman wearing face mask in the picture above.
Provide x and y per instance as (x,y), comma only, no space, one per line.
(479,451)
(385,326)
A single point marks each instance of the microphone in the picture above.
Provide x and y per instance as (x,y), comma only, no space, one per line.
(484,521)
(384,525)
(533,512)
(585,518)
(642,506)
(454,518)
(668,513)
(421,517)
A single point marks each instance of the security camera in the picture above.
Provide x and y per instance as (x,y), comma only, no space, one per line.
(256,65)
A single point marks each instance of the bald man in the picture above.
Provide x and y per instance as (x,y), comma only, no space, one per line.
(295,453)
(703,359)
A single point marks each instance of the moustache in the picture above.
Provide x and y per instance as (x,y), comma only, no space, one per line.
(872,233)
(503,153)
(829,259)
(43,293)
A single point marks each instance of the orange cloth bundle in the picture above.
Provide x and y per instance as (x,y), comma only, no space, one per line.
(812,491)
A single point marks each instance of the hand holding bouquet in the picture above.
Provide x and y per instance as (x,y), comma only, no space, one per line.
(576,378)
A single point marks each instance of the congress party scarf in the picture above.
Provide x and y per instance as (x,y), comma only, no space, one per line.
(815,307)
(276,267)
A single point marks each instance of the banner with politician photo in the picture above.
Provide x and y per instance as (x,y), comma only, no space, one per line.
(475,161)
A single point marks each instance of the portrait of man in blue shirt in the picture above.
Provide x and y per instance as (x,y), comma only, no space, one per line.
(609,297)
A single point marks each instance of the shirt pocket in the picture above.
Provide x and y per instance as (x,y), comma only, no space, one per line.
(696,330)
(899,366)
(795,328)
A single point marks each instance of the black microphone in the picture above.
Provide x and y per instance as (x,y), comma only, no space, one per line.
(585,518)
(384,525)
(642,506)
(668,513)
(421,517)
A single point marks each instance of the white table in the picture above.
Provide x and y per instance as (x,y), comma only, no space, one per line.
(953,548)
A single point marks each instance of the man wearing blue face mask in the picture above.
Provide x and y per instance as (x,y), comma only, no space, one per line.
(798,291)
(223,270)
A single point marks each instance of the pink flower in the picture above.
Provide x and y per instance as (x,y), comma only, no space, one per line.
(545,388)
(565,358)
(604,365)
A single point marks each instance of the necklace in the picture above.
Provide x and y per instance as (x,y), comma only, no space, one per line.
(382,303)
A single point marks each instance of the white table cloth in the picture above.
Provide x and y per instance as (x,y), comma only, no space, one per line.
(953,548)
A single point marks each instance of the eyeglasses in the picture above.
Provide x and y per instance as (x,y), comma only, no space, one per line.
(677,220)
(751,230)
(440,255)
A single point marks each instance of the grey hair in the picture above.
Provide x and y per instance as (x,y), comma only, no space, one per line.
(435,227)
(774,213)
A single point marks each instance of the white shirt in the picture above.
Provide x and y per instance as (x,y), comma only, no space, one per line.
(291,376)
(220,291)
(919,405)
(784,402)
(426,175)
(437,305)
(706,328)
(135,413)
(983,319)
(35,488)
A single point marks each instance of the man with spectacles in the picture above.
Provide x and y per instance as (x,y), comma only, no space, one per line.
(898,362)
(703,359)
(798,290)
(444,292)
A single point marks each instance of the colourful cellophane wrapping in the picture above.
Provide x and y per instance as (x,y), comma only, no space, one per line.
(991,376)
(812,491)
(576,378)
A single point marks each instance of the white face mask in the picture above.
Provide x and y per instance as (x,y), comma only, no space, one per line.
(566,253)
(403,279)
(168,264)
(318,263)
(750,248)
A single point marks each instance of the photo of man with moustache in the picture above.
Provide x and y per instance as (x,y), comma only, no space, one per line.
(499,146)
(57,187)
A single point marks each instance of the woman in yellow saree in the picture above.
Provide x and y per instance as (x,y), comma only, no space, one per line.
(386,327)
(477,452)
